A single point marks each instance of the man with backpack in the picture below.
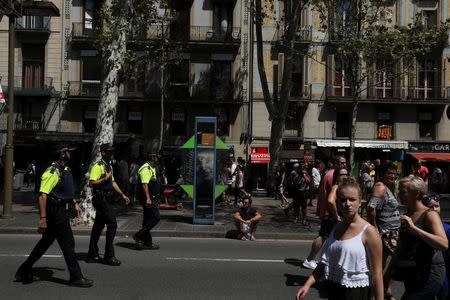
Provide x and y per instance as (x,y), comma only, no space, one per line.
(299,184)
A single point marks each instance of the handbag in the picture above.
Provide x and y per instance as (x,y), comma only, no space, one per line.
(390,241)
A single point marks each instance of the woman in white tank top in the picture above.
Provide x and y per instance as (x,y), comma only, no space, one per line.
(350,261)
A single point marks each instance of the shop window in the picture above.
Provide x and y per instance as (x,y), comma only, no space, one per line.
(384,126)
(178,121)
(343,124)
(135,120)
(426,125)
(89,118)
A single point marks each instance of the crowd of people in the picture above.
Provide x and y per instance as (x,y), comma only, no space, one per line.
(401,237)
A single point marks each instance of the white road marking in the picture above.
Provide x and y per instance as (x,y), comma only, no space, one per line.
(26,255)
(226,259)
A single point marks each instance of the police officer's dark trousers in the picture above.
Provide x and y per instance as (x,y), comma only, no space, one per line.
(151,218)
(58,227)
(105,215)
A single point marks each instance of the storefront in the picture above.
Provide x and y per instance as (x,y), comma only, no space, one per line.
(365,150)
(259,160)
(436,157)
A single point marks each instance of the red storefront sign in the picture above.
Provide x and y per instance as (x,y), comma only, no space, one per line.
(260,155)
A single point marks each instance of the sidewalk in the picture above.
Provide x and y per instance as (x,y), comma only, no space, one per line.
(274,224)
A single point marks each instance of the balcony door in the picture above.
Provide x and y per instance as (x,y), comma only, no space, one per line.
(223,16)
(180,27)
(33,57)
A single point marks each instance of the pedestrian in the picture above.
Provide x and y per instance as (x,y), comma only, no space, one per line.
(56,196)
(418,261)
(350,260)
(147,194)
(340,173)
(315,174)
(383,212)
(30,173)
(433,202)
(327,221)
(280,181)
(103,185)
(246,220)
(133,180)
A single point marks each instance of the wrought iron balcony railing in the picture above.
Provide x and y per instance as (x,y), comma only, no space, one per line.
(303,34)
(33,23)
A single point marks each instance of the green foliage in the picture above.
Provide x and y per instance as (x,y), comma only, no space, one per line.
(363,30)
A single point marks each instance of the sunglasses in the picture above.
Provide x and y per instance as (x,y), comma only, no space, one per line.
(429,198)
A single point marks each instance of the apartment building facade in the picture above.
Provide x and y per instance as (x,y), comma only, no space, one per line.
(58,80)
(395,117)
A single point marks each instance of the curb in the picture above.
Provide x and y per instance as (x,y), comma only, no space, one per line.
(174,234)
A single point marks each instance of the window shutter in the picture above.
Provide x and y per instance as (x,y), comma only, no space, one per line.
(330,74)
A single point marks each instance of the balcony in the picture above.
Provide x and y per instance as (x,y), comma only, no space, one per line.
(82,31)
(206,35)
(33,28)
(397,95)
(303,35)
(85,88)
(24,88)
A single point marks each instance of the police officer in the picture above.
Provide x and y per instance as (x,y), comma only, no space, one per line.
(55,199)
(102,182)
(148,197)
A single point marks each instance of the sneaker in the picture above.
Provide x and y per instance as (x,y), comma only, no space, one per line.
(309,264)
(244,238)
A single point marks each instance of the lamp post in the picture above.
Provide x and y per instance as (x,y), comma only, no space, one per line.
(7,199)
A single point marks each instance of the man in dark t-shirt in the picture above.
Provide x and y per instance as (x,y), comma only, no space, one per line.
(245,217)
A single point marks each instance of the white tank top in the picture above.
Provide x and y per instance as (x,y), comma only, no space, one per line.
(346,261)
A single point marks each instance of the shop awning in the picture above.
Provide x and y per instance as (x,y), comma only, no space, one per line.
(374,144)
(431,156)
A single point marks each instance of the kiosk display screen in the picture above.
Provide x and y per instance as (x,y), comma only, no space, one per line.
(205,164)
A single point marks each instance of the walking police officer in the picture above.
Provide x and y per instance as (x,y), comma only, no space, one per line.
(148,197)
(103,185)
(55,199)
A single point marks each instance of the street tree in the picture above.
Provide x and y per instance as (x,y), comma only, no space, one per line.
(277,106)
(369,49)
(118,27)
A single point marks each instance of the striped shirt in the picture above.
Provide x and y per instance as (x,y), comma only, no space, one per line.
(387,213)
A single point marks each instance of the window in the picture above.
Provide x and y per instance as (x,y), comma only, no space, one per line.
(178,121)
(341,86)
(135,80)
(429,17)
(135,119)
(426,79)
(223,124)
(426,125)
(223,16)
(384,81)
(180,27)
(384,126)
(89,118)
(343,123)
(221,79)
(344,19)
(33,66)
(297,79)
(292,118)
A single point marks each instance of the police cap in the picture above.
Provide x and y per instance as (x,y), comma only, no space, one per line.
(107,147)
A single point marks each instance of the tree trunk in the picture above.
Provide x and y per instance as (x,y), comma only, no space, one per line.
(353,132)
(112,62)
(163,95)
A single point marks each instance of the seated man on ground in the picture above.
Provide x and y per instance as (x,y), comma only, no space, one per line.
(247,219)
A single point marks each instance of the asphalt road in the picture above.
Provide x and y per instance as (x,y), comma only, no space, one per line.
(181,269)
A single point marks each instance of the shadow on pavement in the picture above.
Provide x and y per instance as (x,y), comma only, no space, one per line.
(294,261)
(177,218)
(131,246)
(46,274)
(295,280)
(232,234)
